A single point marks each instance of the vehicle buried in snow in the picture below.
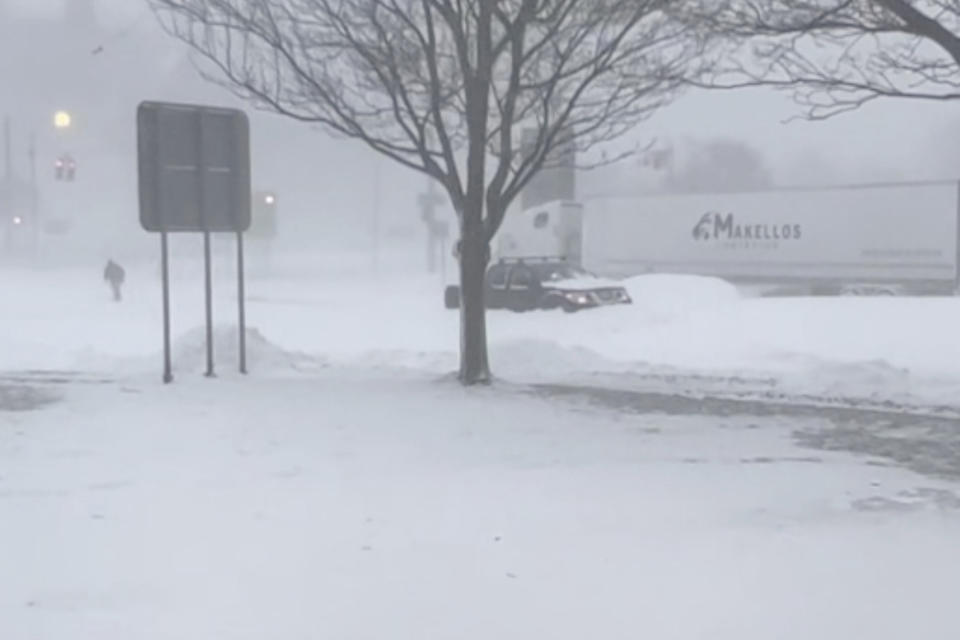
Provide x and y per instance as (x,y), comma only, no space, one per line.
(528,284)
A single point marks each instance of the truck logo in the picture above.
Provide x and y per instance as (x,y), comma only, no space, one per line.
(701,231)
(714,225)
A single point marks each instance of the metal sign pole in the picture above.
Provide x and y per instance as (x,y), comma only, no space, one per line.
(241,304)
(208,292)
(165,275)
(207,150)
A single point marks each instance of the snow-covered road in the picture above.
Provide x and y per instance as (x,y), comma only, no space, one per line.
(348,505)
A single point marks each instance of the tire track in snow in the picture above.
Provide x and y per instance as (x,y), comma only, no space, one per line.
(925,442)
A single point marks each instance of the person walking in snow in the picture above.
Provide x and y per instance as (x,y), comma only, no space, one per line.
(114,274)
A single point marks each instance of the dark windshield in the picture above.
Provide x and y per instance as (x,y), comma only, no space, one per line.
(553,272)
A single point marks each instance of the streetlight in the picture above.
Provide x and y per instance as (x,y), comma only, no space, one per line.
(62,120)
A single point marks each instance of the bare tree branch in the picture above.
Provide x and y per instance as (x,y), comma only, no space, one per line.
(835,56)
(448,87)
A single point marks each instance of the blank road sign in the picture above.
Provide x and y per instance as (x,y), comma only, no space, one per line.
(194,168)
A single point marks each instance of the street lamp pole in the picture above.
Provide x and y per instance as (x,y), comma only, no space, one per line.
(7,149)
(34,194)
(377,184)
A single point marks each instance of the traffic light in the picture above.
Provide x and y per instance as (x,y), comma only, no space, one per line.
(264,223)
(65,168)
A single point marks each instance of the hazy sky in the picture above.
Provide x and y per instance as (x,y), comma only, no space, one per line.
(883,137)
(111,10)
(326,178)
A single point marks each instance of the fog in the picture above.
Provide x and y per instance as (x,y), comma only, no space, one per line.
(725,399)
(100,71)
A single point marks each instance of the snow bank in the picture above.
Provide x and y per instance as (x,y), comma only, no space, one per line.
(664,297)
(520,359)
(582,283)
(529,358)
(679,326)
(695,333)
(190,355)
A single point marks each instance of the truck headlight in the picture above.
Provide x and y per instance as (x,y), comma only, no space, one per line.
(578,298)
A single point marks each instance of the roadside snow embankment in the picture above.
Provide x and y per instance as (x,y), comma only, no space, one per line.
(688,333)
(190,352)
(672,297)
(703,335)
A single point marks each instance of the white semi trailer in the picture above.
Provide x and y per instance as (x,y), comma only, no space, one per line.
(894,237)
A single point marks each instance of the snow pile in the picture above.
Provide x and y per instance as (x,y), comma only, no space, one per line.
(876,381)
(665,297)
(190,352)
(868,373)
(521,359)
(544,359)
(434,361)
(583,283)
(678,327)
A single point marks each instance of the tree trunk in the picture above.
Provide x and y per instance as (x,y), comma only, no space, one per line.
(474,256)
(474,247)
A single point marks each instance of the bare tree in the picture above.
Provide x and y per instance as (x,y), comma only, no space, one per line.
(837,55)
(445,87)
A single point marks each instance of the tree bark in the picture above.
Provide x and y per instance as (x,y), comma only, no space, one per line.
(474,256)
(474,247)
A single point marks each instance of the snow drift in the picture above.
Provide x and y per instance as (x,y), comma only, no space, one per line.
(189,352)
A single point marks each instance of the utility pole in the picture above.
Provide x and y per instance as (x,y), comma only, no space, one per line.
(34,194)
(375,223)
(7,150)
(33,165)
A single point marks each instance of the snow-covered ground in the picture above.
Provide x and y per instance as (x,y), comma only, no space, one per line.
(681,333)
(347,489)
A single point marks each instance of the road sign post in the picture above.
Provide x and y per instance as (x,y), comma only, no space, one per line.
(165,276)
(208,300)
(194,177)
(241,305)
